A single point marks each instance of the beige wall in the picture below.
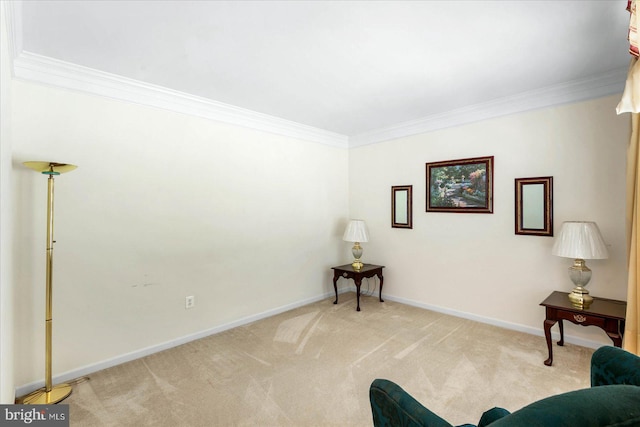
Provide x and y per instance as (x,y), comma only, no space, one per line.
(6,224)
(163,206)
(474,265)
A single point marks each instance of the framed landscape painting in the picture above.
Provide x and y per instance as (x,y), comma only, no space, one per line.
(464,186)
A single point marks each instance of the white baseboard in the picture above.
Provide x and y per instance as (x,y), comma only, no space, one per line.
(95,367)
(495,322)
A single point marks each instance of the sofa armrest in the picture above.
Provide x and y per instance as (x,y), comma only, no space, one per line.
(493,414)
(609,405)
(392,406)
(613,365)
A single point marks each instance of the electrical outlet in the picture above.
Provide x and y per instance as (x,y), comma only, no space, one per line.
(190,302)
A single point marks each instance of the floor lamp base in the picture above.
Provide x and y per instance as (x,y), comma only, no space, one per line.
(41,397)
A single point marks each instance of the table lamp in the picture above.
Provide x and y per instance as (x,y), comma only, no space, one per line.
(580,240)
(356,232)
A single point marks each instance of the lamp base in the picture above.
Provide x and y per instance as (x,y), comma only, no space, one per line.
(357,253)
(41,397)
(580,297)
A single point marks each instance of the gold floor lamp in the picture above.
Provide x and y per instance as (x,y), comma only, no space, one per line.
(50,393)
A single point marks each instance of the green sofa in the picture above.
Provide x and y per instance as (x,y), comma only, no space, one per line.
(612,400)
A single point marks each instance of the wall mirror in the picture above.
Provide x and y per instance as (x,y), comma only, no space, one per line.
(534,206)
(402,206)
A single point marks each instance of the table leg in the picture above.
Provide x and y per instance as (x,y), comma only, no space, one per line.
(616,338)
(547,334)
(358,281)
(381,282)
(561,326)
(335,286)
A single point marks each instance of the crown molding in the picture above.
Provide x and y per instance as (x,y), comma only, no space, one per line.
(50,71)
(41,69)
(605,84)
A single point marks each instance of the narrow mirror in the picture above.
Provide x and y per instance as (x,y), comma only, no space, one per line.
(534,206)
(402,206)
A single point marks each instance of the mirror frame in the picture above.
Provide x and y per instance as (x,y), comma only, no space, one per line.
(547,185)
(394,209)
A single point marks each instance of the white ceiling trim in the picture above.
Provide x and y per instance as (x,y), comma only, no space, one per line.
(50,71)
(41,69)
(609,83)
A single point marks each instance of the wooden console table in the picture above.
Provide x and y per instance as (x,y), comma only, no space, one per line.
(347,271)
(607,314)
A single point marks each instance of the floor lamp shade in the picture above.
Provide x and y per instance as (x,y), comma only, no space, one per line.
(357,233)
(50,393)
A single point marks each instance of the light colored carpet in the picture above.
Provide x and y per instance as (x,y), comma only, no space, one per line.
(312,366)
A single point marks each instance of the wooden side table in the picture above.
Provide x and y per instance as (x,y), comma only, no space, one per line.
(347,271)
(607,314)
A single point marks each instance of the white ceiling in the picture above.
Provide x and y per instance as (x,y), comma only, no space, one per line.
(341,66)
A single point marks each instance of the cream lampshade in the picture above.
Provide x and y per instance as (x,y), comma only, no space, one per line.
(357,233)
(580,240)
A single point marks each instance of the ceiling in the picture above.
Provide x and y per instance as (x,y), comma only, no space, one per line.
(348,67)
